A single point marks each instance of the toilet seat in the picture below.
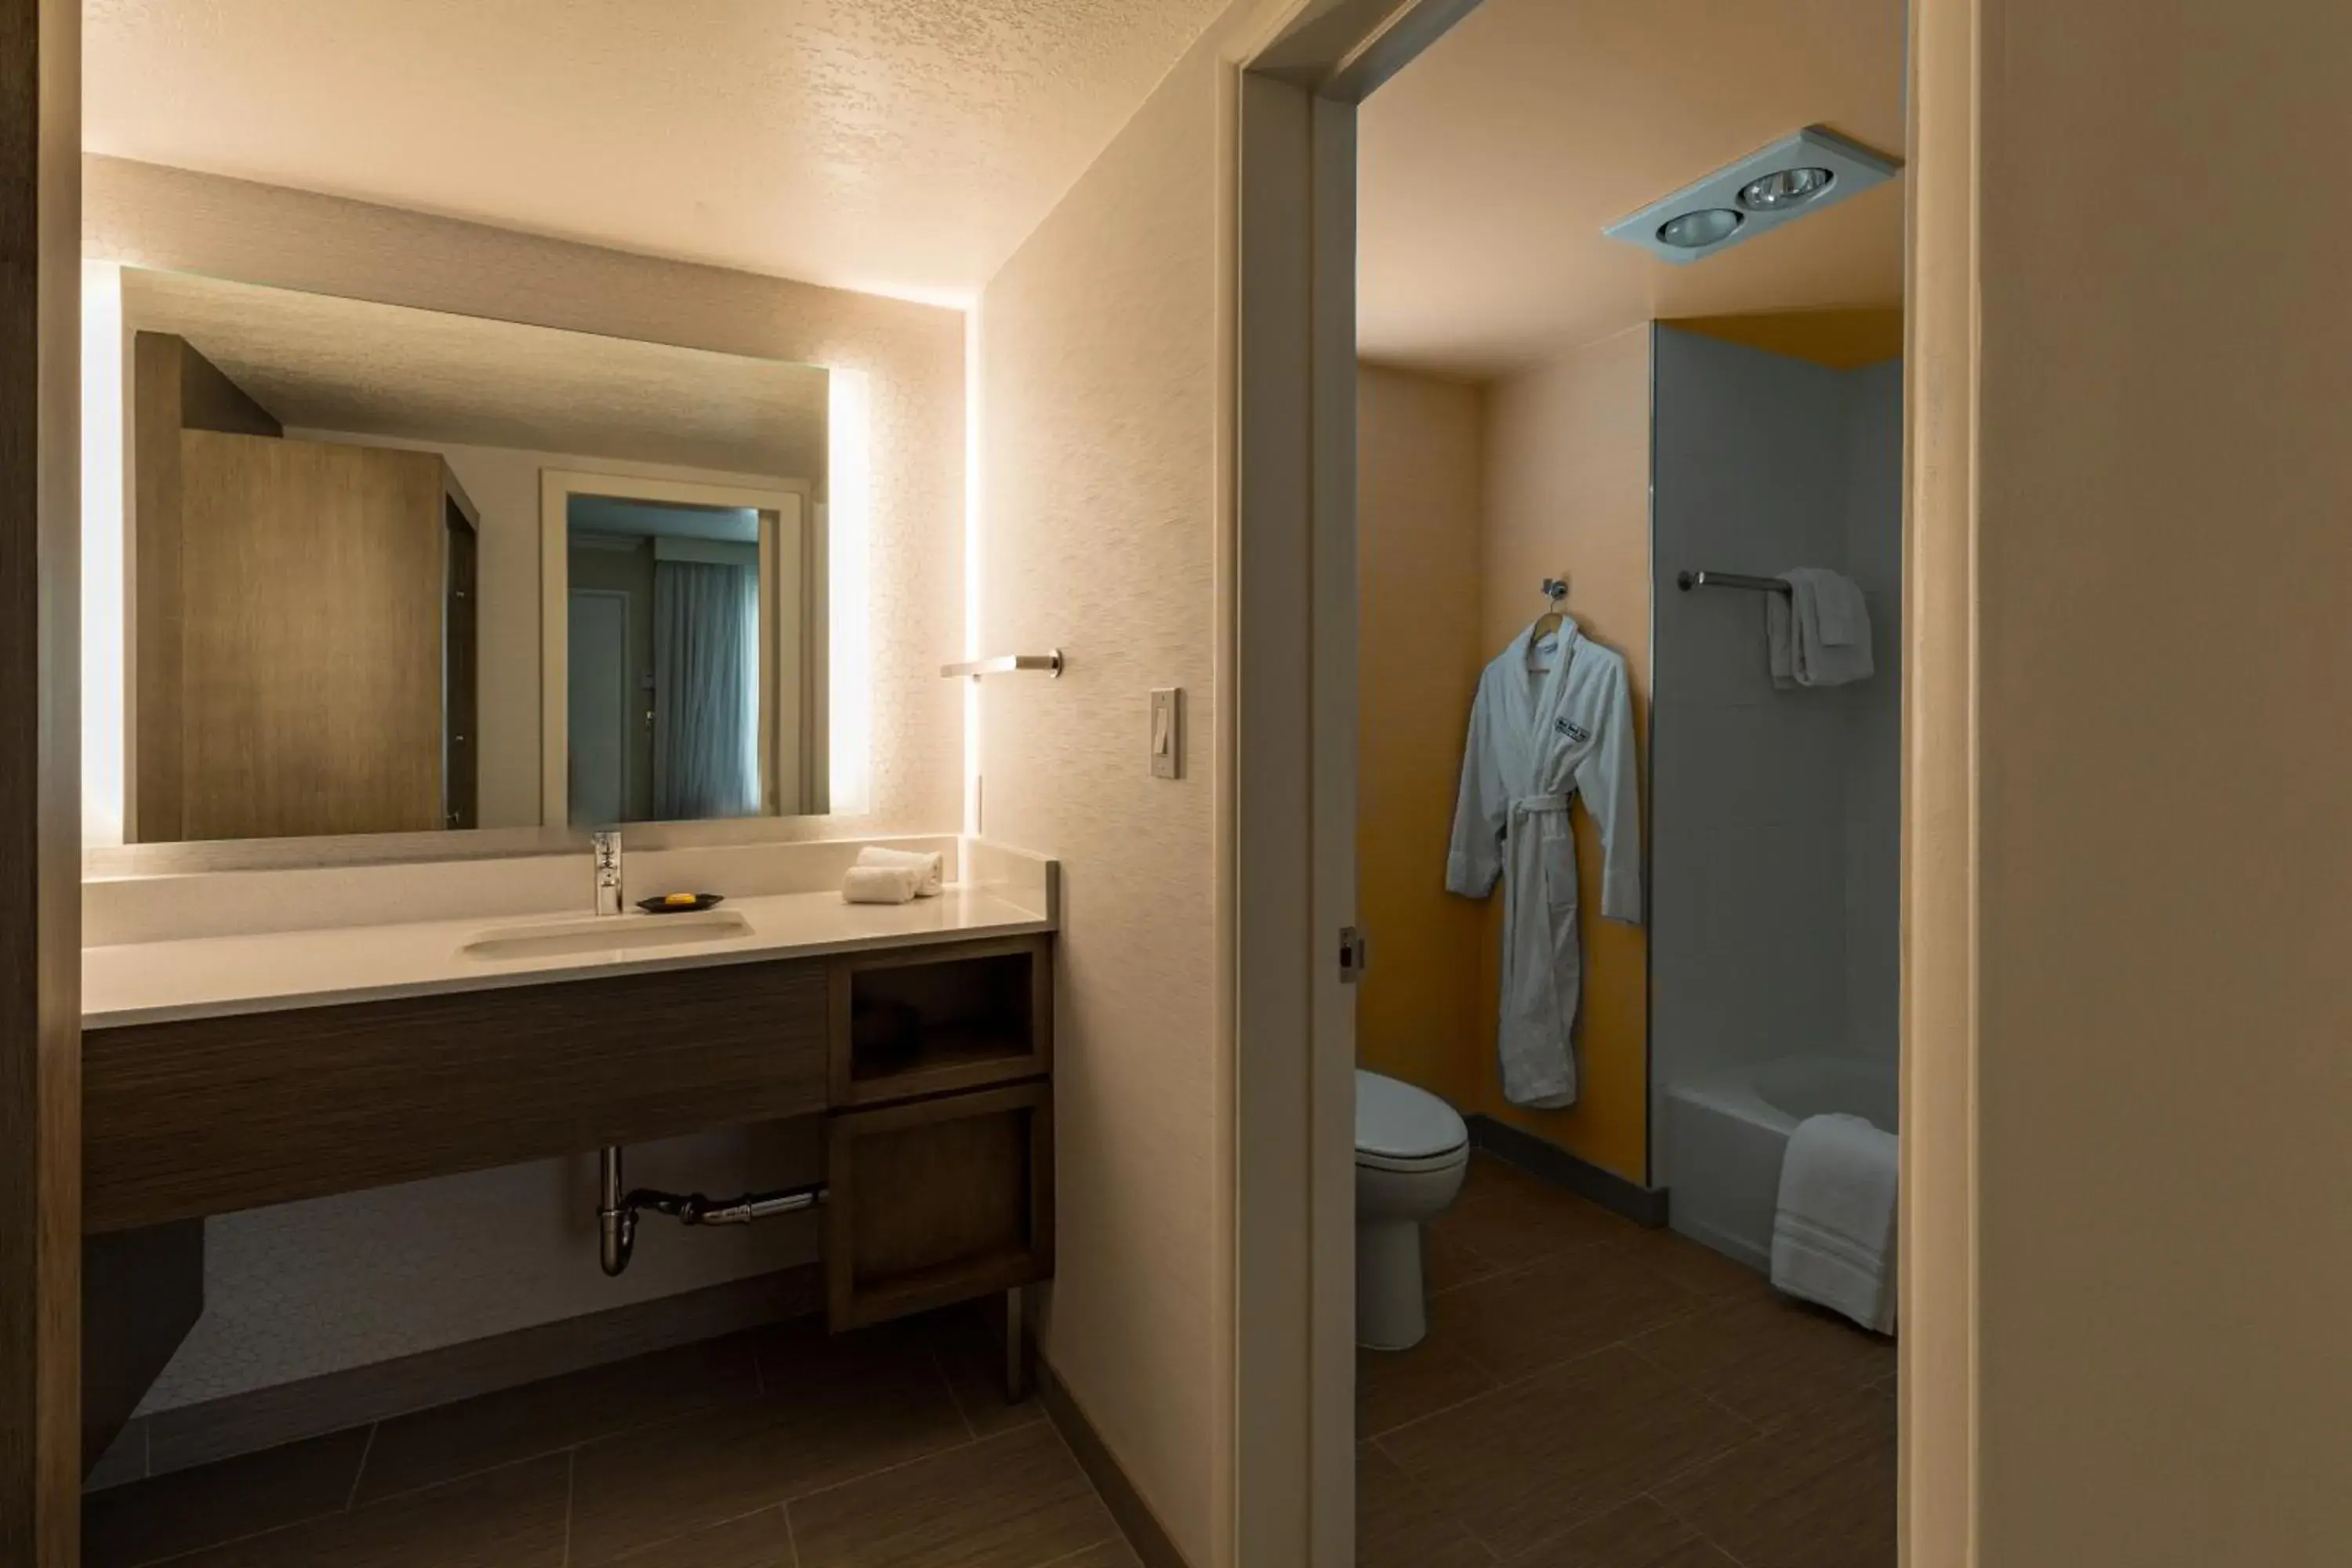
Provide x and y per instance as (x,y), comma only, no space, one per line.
(1404,1129)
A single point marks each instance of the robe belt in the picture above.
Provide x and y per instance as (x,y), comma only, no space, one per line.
(1522,811)
(1532,1003)
(1532,806)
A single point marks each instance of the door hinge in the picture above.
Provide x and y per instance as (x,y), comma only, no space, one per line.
(1355,953)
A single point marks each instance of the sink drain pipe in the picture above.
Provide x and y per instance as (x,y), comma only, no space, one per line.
(616,1213)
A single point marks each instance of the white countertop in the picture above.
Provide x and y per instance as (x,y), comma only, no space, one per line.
(206,977)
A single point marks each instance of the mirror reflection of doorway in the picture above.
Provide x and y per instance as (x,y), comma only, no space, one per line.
(600,706)
(694,640)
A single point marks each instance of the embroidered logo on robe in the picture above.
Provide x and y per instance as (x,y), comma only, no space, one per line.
(1576,733)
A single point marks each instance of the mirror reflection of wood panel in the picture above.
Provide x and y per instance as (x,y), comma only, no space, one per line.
(176,388)
(314,580)
(503,405)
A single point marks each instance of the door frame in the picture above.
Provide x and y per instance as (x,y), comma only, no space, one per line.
(1290,855)
(1292,849)
(40,783)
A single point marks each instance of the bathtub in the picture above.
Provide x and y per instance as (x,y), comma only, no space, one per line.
(1724,1134)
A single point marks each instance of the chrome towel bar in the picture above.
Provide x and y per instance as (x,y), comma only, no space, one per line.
(1008,664)
(1686,580)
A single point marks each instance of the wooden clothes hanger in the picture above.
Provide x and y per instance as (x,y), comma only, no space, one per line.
(1556,590)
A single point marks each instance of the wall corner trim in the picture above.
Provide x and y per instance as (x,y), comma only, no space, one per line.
(1133,1516)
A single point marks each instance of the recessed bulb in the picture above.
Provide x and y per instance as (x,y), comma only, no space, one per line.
(1697,231)
(1785,188)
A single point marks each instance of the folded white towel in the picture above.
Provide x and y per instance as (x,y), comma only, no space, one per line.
(1818,632)
(927,864)
(1834,1234)
(880,885)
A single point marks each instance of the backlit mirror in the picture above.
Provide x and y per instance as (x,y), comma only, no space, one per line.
(393,571)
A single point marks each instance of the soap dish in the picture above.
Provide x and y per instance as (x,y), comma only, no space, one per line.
(662,906)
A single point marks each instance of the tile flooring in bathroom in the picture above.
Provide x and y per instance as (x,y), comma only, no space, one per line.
(779,1448)
(1592,1394)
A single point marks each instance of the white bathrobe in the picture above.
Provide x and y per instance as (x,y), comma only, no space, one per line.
(1538,739)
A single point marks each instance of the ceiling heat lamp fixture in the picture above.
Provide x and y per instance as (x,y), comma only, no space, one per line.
(1813,168)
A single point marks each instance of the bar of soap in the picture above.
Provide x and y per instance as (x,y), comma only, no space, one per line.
(679,900)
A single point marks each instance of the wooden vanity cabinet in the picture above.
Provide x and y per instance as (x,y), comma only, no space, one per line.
(206,1115)
(930,1066)
(910,1022)
(937,1201)
(940,1147)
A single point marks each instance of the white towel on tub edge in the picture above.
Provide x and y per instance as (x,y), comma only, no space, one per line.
(1834,1231)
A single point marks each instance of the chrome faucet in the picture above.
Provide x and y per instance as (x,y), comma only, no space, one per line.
(607,848)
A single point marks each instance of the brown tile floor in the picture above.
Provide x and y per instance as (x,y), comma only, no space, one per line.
(1592,1394)
(781,1449)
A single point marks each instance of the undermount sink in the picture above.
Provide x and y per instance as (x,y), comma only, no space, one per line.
(606,933)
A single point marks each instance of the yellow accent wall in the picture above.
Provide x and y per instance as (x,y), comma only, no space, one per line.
(1568,492)
(1421,452)
(1452,554)
(1841,339)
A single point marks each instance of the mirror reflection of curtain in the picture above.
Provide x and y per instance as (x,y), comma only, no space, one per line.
(706,691)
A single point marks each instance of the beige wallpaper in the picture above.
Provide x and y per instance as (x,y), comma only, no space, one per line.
(913,355)
(304,1290)
(2164,878)
(1098,409)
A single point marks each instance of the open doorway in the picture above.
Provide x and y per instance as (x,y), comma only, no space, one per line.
(1550,422)
(1627,848)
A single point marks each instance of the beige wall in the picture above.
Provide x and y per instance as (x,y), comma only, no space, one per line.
(913,356)
(2163,571)
(1420,492)
(1101,409)
(1568,493)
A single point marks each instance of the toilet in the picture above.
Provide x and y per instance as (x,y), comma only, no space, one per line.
(1411,1149)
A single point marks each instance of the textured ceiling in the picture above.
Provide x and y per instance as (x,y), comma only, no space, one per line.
(323,364)
(899,146)
(1490,165)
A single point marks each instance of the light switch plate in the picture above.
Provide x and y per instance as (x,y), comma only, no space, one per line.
(1168,732)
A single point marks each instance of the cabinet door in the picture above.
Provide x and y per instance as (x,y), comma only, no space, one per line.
(937,1202)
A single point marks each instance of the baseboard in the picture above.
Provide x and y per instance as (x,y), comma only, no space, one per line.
(265,1418)
(1550,1163)
(1134,1517)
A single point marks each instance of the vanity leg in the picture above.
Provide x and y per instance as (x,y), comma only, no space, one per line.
(1016,1348)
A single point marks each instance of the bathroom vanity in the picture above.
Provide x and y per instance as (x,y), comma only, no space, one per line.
(224,1073)
(424,601)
